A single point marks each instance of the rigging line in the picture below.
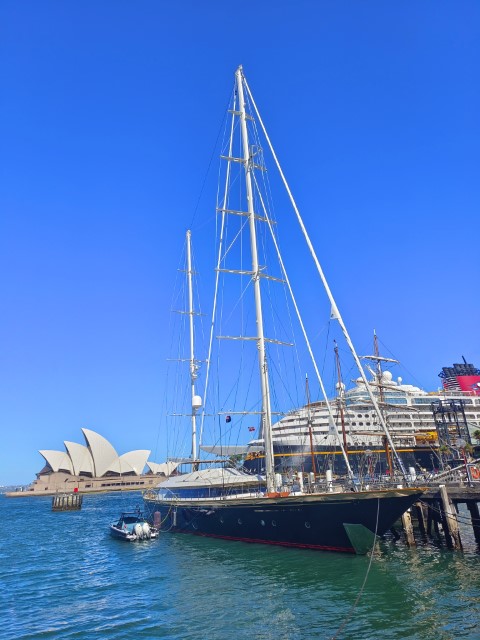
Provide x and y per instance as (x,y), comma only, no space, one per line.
(270,202)
(413,377)
(177,293)
(362,588)
(296,355)
(222,229)
(305,336)
(328,291)
(282,369)
(249,383)
(224,118)
(167,377)
(239,301)
(281,364)
(276,317)
(181,389)
(322,330)
(233,241)
(284,384)
(234,388)
(326,348)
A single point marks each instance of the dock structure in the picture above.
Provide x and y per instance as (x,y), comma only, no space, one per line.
(436,514)
(67,502)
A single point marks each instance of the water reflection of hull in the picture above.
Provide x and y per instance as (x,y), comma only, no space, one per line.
(371,460)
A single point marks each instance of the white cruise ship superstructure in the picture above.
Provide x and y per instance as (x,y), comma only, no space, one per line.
(429,429)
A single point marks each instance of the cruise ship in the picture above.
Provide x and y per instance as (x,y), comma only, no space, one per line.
(430,430)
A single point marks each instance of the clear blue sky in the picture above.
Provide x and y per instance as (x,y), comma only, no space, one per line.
(109,114)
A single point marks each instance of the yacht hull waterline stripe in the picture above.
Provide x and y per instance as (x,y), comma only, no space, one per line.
(292,545)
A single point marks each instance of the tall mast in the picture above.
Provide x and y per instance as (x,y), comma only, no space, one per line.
(262,359)
(196,402)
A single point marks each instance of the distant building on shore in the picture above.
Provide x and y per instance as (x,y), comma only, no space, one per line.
(95,467)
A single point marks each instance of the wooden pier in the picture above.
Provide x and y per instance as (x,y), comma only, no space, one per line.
(435,515)
(67,502)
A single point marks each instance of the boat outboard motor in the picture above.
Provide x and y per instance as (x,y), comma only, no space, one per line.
(146,531)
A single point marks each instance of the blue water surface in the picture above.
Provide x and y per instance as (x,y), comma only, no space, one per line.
(64,577)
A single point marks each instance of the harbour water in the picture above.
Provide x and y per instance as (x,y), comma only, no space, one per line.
(63,577)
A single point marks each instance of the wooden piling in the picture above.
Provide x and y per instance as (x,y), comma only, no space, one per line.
(408,528)
(395,534)
(67,502)
(436,519)
(449,520)
(430,519)
(420,510)
(472,506)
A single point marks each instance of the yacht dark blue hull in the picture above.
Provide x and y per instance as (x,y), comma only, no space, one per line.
(344,522)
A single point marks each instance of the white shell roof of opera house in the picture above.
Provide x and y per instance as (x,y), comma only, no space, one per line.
(97,458)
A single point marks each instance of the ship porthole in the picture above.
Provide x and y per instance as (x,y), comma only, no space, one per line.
(262,522)
(307,525)
(239,521)
(274,523)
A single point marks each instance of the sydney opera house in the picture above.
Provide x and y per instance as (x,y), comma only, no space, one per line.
(96,466)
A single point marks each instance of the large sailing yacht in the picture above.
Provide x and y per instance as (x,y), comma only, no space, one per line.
(231,503)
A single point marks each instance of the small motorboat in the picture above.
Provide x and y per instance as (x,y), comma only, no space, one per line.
(133,526)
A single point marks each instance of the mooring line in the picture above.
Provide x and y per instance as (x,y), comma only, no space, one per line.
(360,593)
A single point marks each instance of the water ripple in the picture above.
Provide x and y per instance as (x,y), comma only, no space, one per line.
(63,577)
